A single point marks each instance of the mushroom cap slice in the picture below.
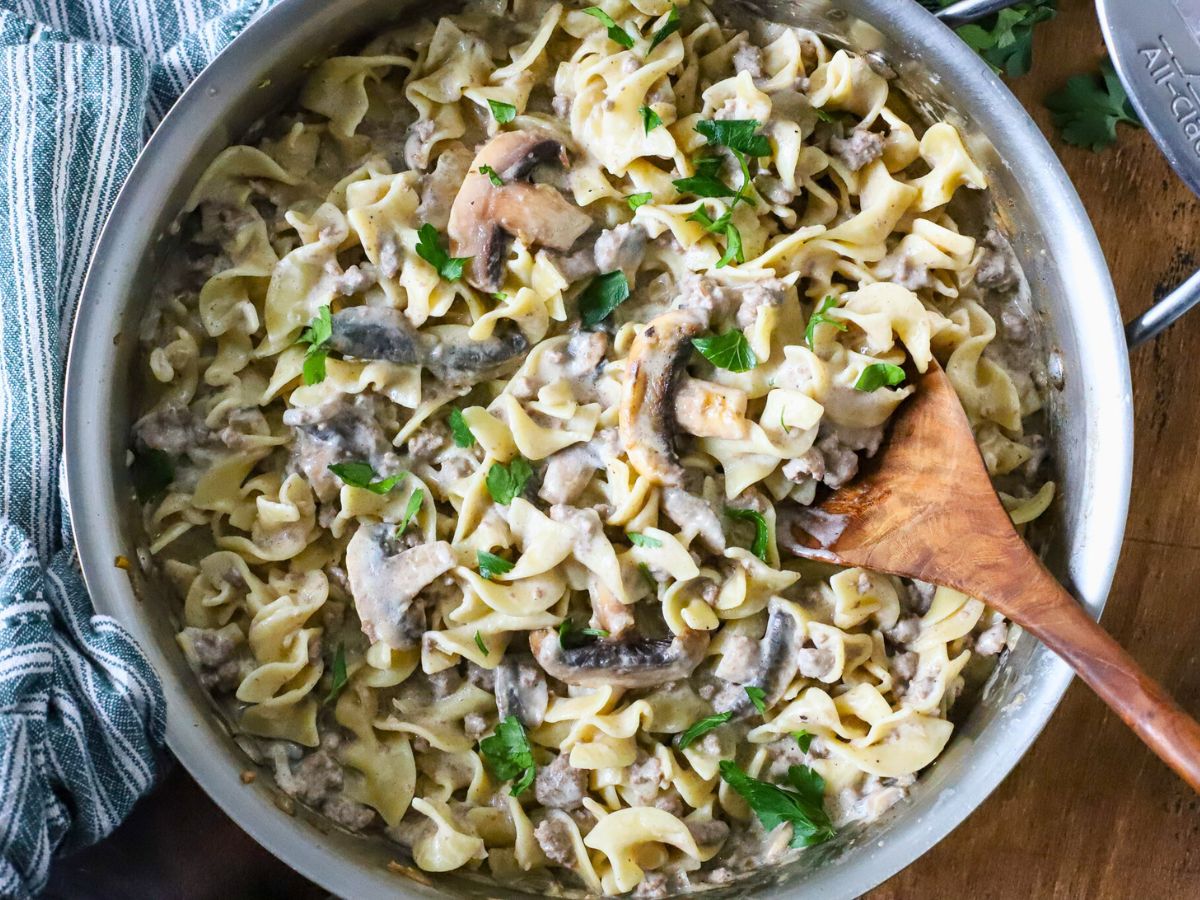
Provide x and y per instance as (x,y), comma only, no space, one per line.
(521,691)
(630,664)
(779,658)
(647,415)
(385,584)
(377,332)
(484,216)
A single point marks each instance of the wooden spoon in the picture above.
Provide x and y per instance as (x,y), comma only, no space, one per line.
(925,508)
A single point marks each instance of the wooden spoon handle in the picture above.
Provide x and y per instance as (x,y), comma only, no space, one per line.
(1058,620)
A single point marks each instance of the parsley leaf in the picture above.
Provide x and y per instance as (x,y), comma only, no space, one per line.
(804,739)
(505,483)
(819,318)
(615,32)
(824,115)
(636,200)
(650,119)
(669,28)
(736,134)
(316,335)
(704,726)
(502,112)
(733,247)
(570,637)
(509,756)
(491,565)
(429,248)
(643,540)
(604,294)
(483,648)
(876,375)
(360,475)
(648,577)
(762,534)
(414,507)
(757,695)
(1005,39)
(339,674)
(1088,109)
(151,472)
(802,804)
(460,430)
(729,351)
(703,184)
(492,175)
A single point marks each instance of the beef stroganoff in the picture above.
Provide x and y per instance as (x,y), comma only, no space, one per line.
(488,388)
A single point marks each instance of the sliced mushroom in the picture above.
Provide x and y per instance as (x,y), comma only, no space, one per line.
(647,416)
(377,332)
(521,691)
(695,517)
(485,216)
(334,432)
(455,358)
(384,584)
(778,660)
(630,664)
(609,613)
(380,332)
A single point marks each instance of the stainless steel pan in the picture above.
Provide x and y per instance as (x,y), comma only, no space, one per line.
(1090,412)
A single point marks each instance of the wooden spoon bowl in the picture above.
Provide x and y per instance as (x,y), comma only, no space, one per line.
(925,508)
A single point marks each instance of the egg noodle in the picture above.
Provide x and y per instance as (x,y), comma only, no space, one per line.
(488,389)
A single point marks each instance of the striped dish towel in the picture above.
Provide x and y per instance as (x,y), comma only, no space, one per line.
(82,83)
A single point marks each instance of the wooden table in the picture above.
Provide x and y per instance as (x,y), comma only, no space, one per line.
(1089,812)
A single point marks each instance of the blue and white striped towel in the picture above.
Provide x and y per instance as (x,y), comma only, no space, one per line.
(82,83)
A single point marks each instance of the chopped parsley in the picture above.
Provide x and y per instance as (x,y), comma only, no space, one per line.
(669,28)
(505,483)
(736,134)
(703,727)
(648,577)
(509,756)
(643,540)
(483,648)
(819,318)
(705,182)
(757,696)
(414,507)
(636,200)
(615,31)
(460,431)
(151,472)
(429,248)
(762,534)
(502,112)
(650,119)
(604,294)
(876,375)
(1088,109)
(359,474)
(339,678)
(570,637)
(804,739)
(492,175)
(722,225)
(729,351)
(800,804)
(491,565)
(316,335)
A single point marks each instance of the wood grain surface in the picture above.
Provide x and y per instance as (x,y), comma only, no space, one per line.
(1089,812)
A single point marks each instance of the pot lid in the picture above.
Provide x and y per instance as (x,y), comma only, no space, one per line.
(1155,48)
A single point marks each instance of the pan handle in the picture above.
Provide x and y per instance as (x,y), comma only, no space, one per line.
(1156,319)
(965,11)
